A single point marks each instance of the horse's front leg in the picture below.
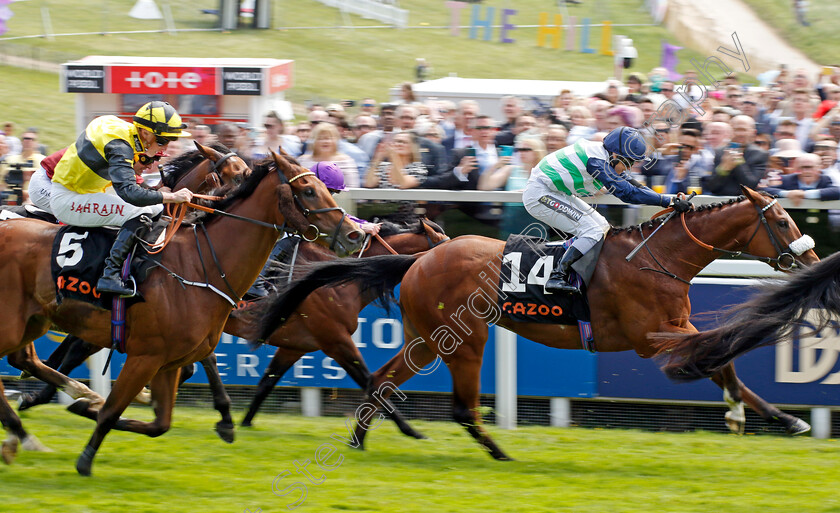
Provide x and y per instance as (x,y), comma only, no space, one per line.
(136,372)
(736,394)
(221,399)
(26,359)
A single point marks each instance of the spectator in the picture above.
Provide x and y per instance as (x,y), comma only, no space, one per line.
(275,137)
(827,151)
(303,131)
(461,138)
(511,109)
(324,148)
(387,118)
(806,182)
(28,161)
(555,138)
(581,124)
(802,110)
(562,104)
(421,69)
(396,164)
(4,154)
(369,108)
(680,162)
(432,154)
(202,135)
(742,163)
(227,134)
(599,110)
(750,107)
(363,125)
(407,93)
(345,146)
(12,142)
(523,123)
(513,177)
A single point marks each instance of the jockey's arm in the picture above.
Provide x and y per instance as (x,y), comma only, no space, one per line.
(120,158)
(621,188)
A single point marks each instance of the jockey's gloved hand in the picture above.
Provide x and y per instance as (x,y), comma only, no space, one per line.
(681,205)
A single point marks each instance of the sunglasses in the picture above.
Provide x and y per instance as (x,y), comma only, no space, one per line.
(313,123)
(523,149)
(407,117)
(689,147)
(365,126)
(667,90)
(762,143)
(162,141)
(807,167)
(662,130)
(484,127)
(267,125)
(785,135)
(368,105)
(28,139)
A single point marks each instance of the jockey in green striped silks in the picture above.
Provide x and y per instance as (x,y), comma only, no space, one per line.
(586,168)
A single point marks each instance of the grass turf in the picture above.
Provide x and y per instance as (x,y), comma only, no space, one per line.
(820,41)
(189,469)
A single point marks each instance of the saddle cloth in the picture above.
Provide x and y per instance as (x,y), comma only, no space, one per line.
(78,260)
(527,263)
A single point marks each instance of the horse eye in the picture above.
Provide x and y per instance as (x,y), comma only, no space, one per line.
(309,192)
(783,224)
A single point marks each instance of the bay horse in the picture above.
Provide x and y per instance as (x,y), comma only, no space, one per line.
(201,170)
(771,315)
(628,300)
(178,323)
(329,317)
(326,328)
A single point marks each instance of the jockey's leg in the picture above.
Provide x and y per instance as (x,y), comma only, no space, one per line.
(568,214)
(101,209)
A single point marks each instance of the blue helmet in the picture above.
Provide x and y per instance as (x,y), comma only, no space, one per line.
(627,143)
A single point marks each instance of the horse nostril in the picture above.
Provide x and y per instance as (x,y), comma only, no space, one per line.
(355,235)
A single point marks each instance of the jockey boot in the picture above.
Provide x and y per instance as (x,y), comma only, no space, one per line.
(558,281)
(110,282)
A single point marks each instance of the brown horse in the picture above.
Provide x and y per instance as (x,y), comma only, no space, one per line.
(326,329)
(201,170)
(329,317)
(176,324)
(456,285)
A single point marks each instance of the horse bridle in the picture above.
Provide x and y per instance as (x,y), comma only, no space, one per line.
(785,257)
(307,212)
(780,262)
(432,244)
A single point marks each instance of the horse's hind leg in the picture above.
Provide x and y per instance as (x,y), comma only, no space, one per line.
(136,372)
(281,362)
(466,379)
(27,358)
(73,351)
(736,394)
(221,399)
(346,354)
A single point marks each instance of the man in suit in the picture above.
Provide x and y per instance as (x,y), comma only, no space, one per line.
(806,182)
(739,163)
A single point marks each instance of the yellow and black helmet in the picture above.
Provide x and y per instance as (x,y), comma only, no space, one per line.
(161,119)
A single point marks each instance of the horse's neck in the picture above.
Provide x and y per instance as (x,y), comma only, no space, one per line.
(193,179)
(242,248)
(723,227)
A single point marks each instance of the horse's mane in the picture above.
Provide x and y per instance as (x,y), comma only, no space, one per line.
(176,168)
(399,223)
(653,222)
(260,170)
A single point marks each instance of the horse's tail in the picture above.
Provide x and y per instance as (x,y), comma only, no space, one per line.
(768,317)
(377,274)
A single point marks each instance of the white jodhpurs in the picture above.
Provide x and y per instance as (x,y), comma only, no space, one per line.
(94,209)
(569,214)
(39,190)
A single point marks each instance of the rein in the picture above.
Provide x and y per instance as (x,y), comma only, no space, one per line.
(784,261)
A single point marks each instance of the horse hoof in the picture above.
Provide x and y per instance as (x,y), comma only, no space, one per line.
(9,449)
(735,424)
(30,443)
(225,432)
(419,436)
(27,401)
(245,423)
(798,427)
(84,464)
(144,397)
(79,406)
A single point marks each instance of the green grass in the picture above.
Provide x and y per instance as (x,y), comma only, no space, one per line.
(330,63)
(820,41)
(190,470)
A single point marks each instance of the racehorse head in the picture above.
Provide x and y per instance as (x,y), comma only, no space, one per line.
(777,234)
(306,200)
(227,168)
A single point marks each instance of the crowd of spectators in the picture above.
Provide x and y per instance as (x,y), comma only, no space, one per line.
(782,137)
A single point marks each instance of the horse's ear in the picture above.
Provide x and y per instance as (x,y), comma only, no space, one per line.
(749,193)
(282,163)
(208,152)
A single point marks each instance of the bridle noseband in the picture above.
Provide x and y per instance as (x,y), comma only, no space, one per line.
(308,212)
